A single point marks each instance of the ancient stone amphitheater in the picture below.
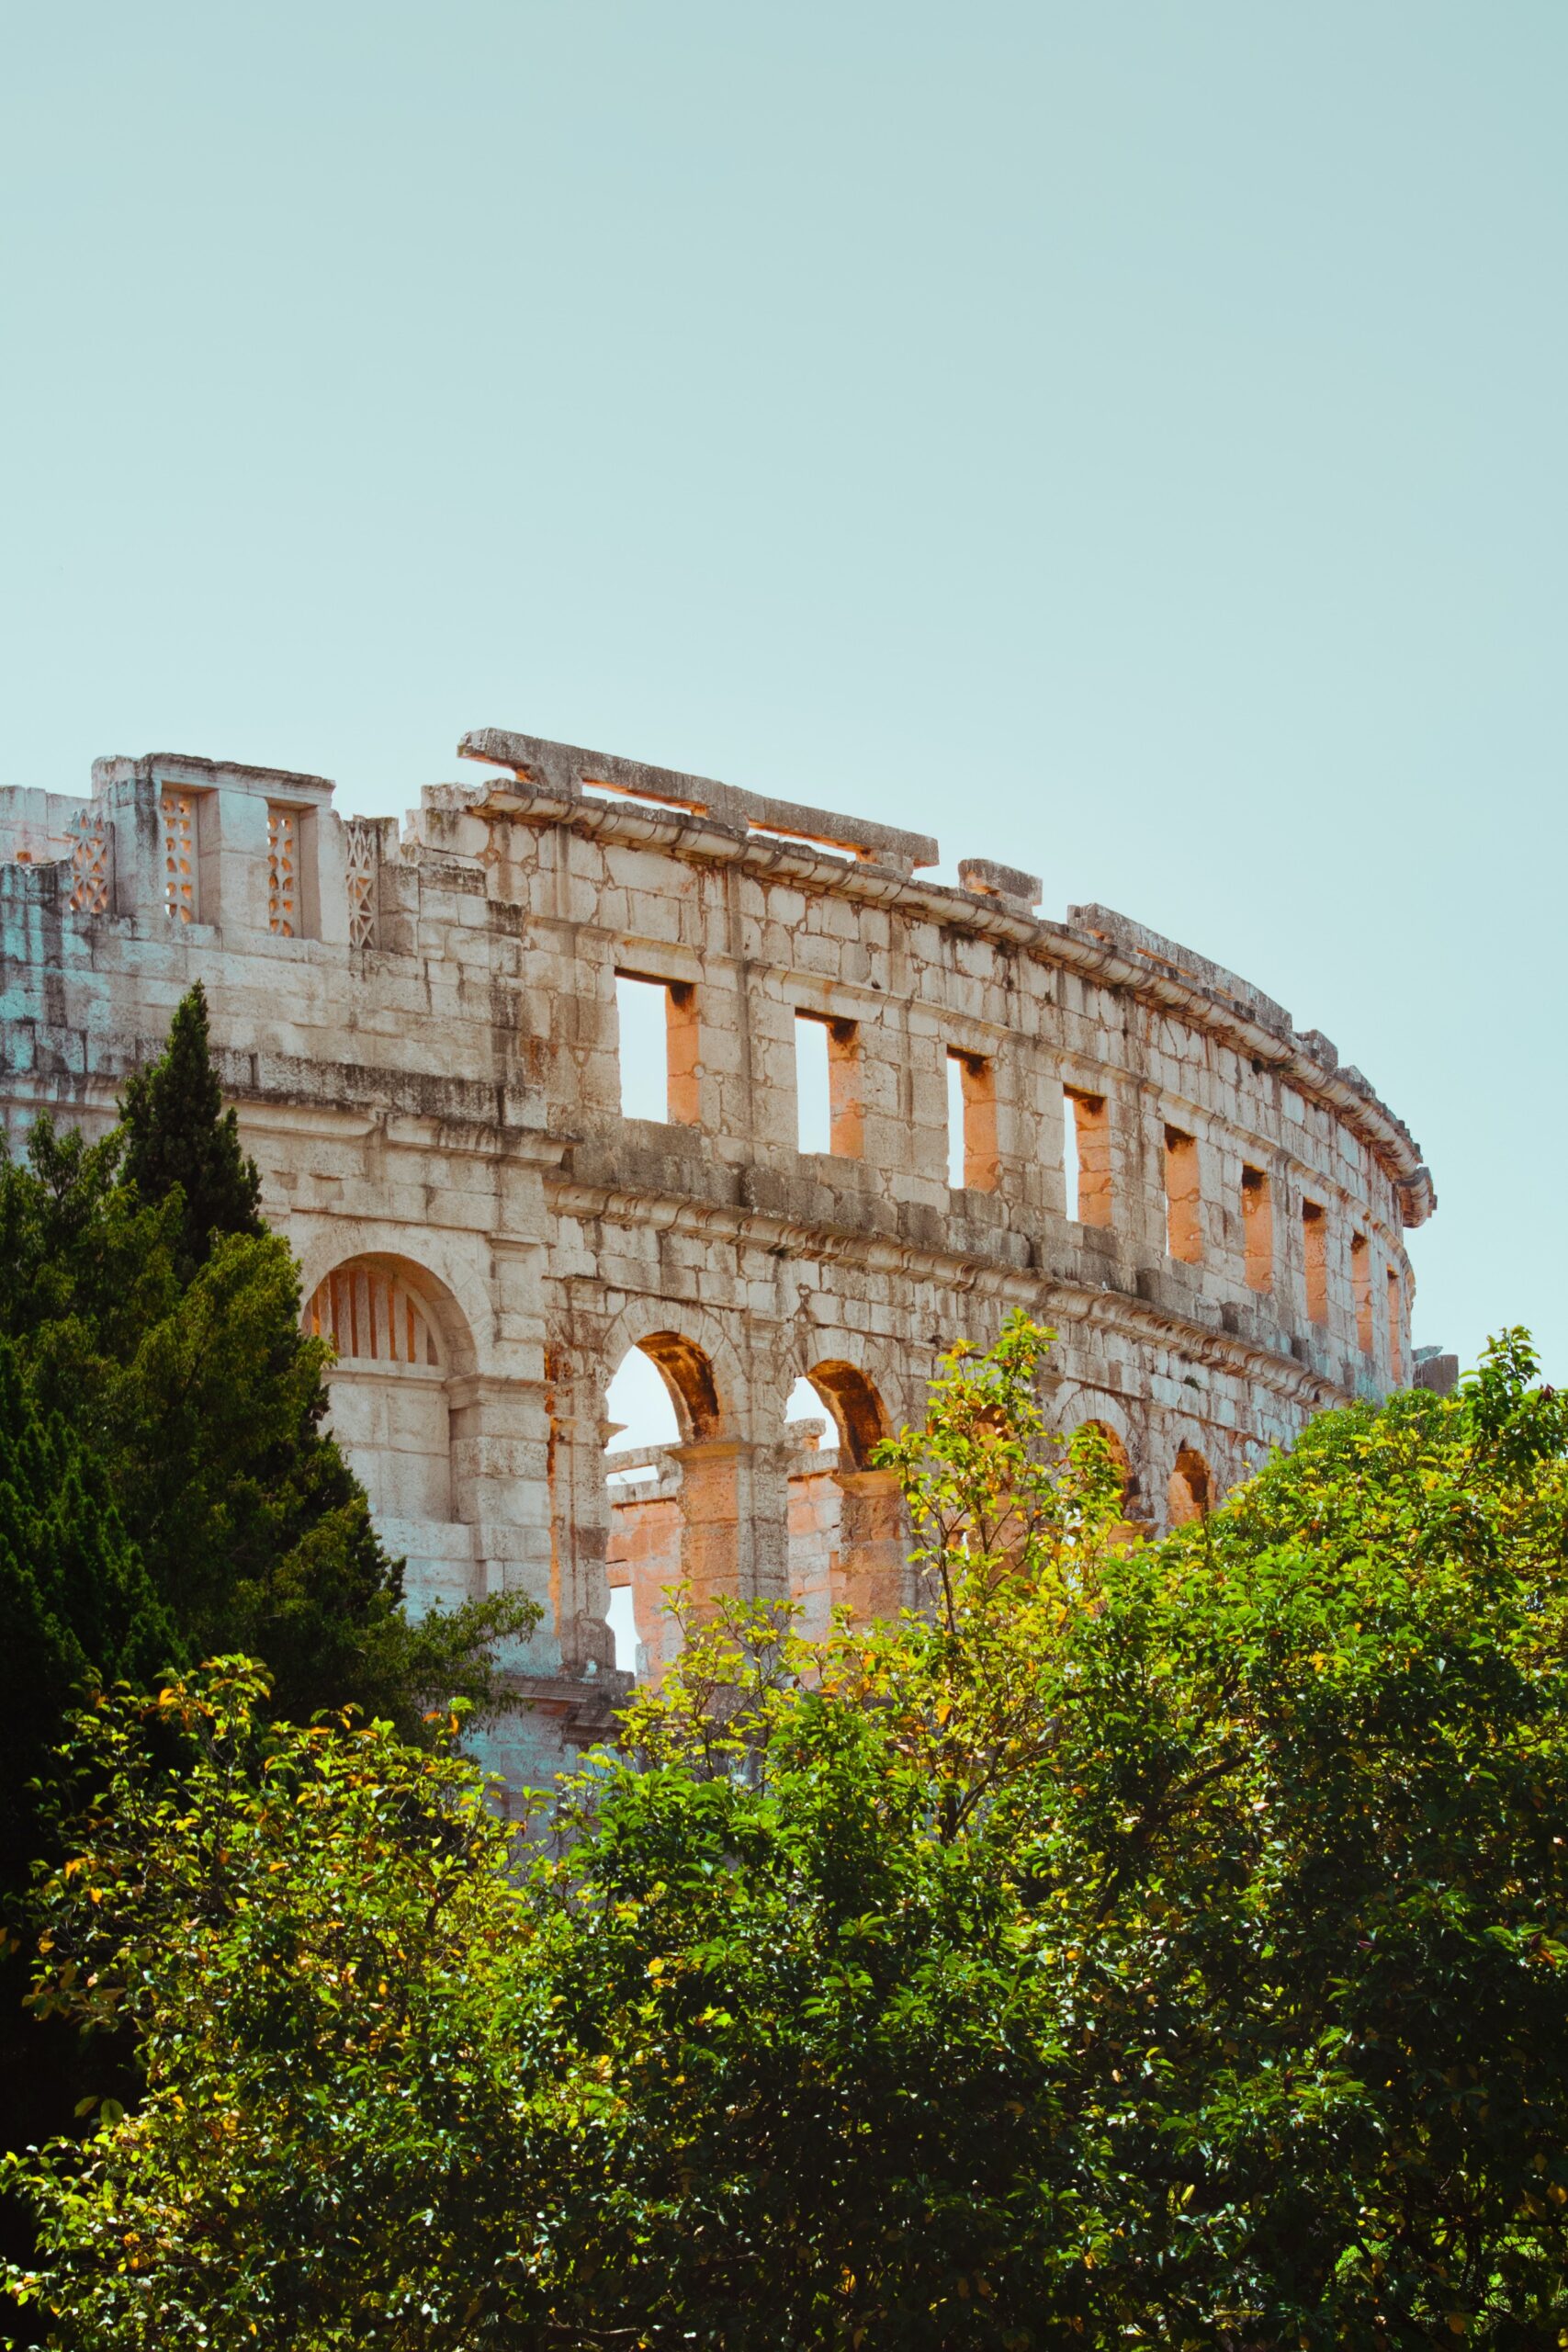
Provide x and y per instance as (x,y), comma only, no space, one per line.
(422,1029)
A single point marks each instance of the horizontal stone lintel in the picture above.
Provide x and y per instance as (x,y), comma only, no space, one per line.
(565,769)
(985,876)
(194,768)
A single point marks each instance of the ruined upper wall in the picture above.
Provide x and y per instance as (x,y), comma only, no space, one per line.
(114,854)
(716,824)
(460,974)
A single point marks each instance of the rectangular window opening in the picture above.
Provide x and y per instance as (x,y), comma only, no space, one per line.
(955,1122)
(1183,1222)
(643,1017)
(1315,1244)
(660,1041)
(827,1086)
(1361,1287)
(1257,1228)
(1072,1167)
(971,1123)
(1086,1156)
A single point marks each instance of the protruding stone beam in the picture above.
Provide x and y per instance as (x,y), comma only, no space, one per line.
(563,769)
(985,879)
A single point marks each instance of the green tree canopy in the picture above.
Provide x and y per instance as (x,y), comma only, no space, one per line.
(167,1485)
(1152,1944)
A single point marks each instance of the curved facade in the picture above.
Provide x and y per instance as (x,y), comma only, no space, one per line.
(422,1029)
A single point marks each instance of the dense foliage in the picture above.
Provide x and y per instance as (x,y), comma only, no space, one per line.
(76,1604)
(1154,1944)
(168,1488)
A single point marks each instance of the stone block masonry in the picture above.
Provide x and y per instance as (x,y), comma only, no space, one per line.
(420,1027)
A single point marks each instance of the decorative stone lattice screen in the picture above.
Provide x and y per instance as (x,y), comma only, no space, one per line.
(362,845)
(91,868)
(282,869)
(177,810)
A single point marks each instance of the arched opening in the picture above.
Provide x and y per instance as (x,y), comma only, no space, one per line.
(644,1534)
(1189,1493)
(1116,1450)
(807,1422)
(814,1508)
(639,1411)
(1126,1530)
(369,1312)
(397,1336)
(661,1395)
(688,1377)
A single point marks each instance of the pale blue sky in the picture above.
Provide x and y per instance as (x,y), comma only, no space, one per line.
(1123,439)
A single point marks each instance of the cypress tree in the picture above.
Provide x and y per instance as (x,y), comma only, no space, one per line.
(177,1132)
(77,1608)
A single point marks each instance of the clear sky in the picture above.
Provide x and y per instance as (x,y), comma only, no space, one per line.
(1122,439)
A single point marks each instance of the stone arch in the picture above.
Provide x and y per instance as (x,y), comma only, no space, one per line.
(692,1518)
(689,1349)
(451,1293)
(372,1313)
(650,1546)
(856,1408)
(847,1535)
(399,1339)
(1133,1521)
(1190,1492)
(687,1373)
(1077,1404)
(1073,1402)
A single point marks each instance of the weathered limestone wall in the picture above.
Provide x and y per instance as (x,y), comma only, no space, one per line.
(419,1028)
